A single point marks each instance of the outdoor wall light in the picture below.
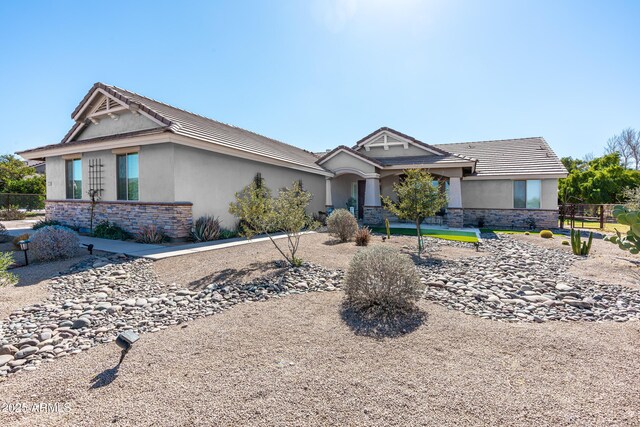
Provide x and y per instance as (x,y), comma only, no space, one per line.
(125,340)
(24,246)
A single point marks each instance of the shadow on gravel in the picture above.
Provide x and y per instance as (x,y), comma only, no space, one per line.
(234,275)
(105,377)
(379,325)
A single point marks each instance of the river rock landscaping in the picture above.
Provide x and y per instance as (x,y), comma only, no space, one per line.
(97,299)
(519,281)
(102,297)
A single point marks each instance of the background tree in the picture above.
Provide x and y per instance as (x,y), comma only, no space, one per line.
(12,169)
(602,180)
(260,213)
(418,199)
(627,145)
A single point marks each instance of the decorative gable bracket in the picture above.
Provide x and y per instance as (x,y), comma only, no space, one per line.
(386,142)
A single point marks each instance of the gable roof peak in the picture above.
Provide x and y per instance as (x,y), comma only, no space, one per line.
(411,139)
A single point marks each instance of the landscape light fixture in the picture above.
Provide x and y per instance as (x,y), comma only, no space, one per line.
(24,246)
(89,247)
(125,340)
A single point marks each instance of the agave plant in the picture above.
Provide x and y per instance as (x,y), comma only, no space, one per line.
(206,228)
(151,234)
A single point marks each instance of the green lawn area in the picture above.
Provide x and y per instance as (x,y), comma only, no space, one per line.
(459,236)
(608,227)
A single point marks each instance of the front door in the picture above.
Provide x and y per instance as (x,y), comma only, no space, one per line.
(361,186)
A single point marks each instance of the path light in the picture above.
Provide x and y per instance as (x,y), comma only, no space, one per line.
(89,247)
(125,340)
(24,246)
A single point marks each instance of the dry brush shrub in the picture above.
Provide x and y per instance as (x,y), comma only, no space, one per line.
(11,213)
(54,242)
(205,229)
(342,224)
(363,236)
(382,279)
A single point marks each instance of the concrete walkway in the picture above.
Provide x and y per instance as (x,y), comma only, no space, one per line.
(156,252)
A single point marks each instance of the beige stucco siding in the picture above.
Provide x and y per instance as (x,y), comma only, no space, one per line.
(55,178)
(210,181)
(156,164)
(127,122)
(498,194)
(341,189)
(344,161)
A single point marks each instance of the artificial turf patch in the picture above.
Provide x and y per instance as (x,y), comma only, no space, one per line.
(459,236)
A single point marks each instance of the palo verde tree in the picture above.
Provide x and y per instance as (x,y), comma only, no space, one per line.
(418,198)
(260,213)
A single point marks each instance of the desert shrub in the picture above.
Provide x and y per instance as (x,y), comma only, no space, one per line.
(206,228)
(546,234)
(342,224)
(16,239)
(363,236)
(565,242)
(526,233)
(54,242)
(150,234)
(11,213)
(6,278)
(382,278)
(4,234)
(110,230)
(45,223)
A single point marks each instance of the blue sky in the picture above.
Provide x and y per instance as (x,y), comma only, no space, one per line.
(322,73)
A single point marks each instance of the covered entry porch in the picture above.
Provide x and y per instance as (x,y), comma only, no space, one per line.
(362,192)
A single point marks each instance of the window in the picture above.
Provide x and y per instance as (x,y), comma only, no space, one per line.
(128,176)
(74,178)
(526,194)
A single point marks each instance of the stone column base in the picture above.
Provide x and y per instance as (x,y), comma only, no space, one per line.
(372,215)
(455,217)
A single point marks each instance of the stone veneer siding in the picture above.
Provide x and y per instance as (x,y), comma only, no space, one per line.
(455,217)
(175,219)
(372,215)
(511,218)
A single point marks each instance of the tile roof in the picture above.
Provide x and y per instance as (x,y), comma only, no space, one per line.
(352,152)
(182,122)
(429,159)
(524,156)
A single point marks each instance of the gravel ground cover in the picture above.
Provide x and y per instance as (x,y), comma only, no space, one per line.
(294,361)
(300,360)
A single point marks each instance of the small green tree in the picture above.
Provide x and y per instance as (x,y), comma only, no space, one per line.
(418,199)
(260,213)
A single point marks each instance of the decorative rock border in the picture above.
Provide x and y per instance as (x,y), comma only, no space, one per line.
(102,298)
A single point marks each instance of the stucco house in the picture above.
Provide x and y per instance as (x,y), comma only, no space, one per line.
(150,163)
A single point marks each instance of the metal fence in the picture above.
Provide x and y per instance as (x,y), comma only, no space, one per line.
(29,202)
(586,215)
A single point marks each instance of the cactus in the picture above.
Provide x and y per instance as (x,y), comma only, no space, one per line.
(546,234)
(630,241)
(388,227)
(577,246)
